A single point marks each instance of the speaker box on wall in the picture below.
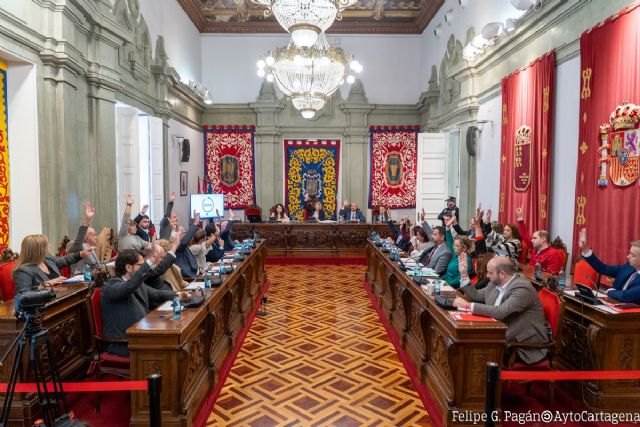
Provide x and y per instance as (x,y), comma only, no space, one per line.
(186,151)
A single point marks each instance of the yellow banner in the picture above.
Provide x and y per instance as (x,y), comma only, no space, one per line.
(4,160)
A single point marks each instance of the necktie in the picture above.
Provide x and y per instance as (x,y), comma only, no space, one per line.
(430,255)
(499,299)
(633,277)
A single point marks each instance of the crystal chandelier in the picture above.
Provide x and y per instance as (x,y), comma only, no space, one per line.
(305,19)
(309,76)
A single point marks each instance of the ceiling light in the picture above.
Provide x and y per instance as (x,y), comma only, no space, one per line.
(269,60)
(478,42)
(261,63)
(448,17)
(308,114)
(350,79)
(437,30)
(309,76)
(510,25)
(492,30)
(305,19)
(522,4)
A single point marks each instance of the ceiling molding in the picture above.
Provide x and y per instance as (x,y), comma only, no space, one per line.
(398,17)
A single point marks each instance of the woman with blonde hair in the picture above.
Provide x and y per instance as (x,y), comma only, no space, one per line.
(172,276)
(106,245)
(36,267)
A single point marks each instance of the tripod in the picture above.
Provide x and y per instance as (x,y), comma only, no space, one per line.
(50,395)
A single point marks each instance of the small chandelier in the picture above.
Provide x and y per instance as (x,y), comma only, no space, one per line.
(305,19)
(309,76)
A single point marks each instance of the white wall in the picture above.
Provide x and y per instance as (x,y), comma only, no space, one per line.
(488,155)
(181,38)
(564,157)
(194,168)
(24,174)
(391,65)
(476,14)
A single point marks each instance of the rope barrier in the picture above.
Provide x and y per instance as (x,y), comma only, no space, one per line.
(82,387)
(568,375)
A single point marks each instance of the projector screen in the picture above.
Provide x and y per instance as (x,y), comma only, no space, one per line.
(206,205)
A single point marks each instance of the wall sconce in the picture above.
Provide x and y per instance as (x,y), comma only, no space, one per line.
(481,123)
(437,30)
(448,16)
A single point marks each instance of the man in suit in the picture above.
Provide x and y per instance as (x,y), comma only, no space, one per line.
(626,283)
(184,258)
(512,299)
(128,237)
(125,299)
(438,255)
(383,215)
(216,252)
(355,214)
(144,224)
(86,240)
(451,209)
(170,220)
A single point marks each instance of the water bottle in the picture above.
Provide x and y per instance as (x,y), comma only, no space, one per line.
(222,267)
(437,286)
(177,314)
(562,279)
(417,273)
(86,271)
(207,280)
(538,271)
(255,236)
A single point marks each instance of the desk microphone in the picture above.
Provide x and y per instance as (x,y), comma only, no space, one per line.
(596,285)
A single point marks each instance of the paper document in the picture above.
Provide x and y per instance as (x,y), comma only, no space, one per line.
(75,279)
(195,285)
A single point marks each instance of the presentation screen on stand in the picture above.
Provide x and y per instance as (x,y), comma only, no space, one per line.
(206,205)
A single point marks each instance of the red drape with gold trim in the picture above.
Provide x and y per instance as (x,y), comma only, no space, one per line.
(610,74)
(525,152)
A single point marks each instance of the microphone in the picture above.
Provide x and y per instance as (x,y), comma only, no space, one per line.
(596,285)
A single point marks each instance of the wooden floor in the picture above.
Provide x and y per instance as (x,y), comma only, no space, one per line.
(319,357)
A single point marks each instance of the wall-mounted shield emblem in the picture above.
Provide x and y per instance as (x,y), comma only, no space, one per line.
(229,170)
(393,170)
(624,157)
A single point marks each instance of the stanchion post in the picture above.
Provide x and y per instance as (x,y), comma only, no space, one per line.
(155,391)
(493,375)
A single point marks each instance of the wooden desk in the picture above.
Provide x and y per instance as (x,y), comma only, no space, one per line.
(593,339)
(450,356)
(67,318)
(311,239)
(189,352)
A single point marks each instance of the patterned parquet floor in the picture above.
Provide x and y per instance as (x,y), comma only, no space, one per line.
(320,357)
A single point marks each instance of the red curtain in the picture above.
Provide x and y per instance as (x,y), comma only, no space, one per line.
(526,143)
(609,75)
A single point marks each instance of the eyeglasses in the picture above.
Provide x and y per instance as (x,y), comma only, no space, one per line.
(139,264)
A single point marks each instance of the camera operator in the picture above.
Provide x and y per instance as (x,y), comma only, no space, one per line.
(35,267)
(450,210)
(125,299)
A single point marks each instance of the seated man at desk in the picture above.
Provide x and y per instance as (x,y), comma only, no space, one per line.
(512,299)
(355,214)
(438,256)
(125,299)
(626,283)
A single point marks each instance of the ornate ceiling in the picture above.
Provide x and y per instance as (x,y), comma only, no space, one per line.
(365,17)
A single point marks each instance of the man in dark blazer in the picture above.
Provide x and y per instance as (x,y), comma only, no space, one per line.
(163,261)
(344,210)
(512,299)
(382,216)
(355,214)
(438,255)
(451,209)
(626,283)
(184,258)
(125,299)
(168,218)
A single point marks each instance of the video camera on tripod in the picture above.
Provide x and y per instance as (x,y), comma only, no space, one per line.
(28,306)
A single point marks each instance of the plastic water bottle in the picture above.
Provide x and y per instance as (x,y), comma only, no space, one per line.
(437,286)
(222,267)
(538,271)
(86,271)
(417,272)
(177,313)
(207,280)
(562,279)
(255,236)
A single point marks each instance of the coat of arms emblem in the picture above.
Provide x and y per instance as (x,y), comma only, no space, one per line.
(393,169)
(619,146)
(522,159)
(229,170)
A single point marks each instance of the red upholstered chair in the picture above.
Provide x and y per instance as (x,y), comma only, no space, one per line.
(584,274)
(524,253)
(105,363)
(7,285)
(553,306)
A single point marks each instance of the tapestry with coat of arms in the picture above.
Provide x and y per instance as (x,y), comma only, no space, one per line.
(311,174)
(230,164)
(393,166)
